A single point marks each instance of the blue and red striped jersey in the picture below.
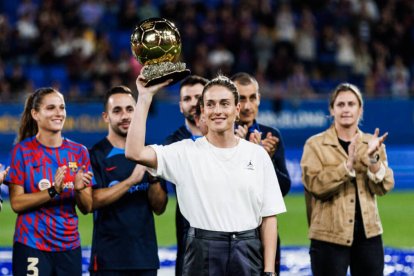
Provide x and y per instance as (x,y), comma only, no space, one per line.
(54,225)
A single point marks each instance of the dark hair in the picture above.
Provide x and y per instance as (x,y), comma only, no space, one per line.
(28,126)
(193,80)
(244,79)
(223,81)
(121,89)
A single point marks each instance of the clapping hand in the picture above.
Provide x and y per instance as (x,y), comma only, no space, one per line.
(137,174)
(352,152)
(241,131)
(375,143)
(270,143)
(59,179)
(82,179)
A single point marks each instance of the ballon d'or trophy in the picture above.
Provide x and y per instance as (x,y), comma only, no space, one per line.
(156,43)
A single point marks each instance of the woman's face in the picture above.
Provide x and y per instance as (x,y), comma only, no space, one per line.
(346,110)
(51,114)
(220,110)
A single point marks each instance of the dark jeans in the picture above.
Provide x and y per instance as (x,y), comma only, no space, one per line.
(365,258)
(212,253)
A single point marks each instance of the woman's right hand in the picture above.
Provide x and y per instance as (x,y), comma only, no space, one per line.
(150,90)
(59,179)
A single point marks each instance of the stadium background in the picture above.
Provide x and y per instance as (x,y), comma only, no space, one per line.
(298,50)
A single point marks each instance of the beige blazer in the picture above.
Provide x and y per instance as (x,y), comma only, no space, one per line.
(330,193)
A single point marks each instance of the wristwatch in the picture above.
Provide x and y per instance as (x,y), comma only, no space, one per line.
(374,159)
(52,192)
(269,274)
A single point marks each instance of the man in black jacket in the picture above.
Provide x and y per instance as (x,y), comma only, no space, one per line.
(190,90)
(268,137)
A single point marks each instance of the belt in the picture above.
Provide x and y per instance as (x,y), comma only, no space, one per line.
(223,236)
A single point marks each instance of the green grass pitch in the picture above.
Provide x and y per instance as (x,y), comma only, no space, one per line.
(396,211)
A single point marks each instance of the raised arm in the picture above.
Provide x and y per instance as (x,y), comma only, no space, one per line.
(135,148)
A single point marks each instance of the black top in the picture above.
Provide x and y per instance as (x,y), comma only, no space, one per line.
(124,233)
(358,215)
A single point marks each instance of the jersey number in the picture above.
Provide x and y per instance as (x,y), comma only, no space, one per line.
(31,268)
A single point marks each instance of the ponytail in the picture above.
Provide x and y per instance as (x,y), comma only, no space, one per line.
(28,126)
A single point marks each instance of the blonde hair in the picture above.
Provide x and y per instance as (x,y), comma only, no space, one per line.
(343,87)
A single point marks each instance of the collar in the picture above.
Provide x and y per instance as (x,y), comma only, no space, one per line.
(331,137)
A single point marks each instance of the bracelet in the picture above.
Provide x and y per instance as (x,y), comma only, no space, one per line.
(269,274)
(52,192)
(374,159)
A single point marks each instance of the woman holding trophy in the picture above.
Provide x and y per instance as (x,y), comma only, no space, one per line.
(226,186)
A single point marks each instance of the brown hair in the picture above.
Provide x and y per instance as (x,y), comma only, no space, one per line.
(223,81)
(28,126)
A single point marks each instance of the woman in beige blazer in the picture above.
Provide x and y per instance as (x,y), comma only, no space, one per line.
(343,170)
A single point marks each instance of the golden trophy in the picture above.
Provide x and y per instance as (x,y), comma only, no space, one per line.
(156,44)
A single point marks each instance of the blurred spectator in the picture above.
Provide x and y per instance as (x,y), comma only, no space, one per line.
(263,44)
(17,80)
(27,7)
(399,79)
(377,82)
(91,12)
(147,10)
(331,39)
(6,42)
(327,50)
(306,39)
(362,64)
(285,24)
(345,55)
(221,59)
(128,17)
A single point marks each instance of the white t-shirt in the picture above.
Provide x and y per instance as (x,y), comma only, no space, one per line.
(221,189)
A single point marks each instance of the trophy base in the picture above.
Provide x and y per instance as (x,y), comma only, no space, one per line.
(158,73)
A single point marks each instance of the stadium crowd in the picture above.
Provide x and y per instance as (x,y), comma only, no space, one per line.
(296,49)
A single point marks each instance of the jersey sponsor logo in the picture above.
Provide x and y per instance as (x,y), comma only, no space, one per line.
(44,184)
(138,187)
(68,185)
(250,166)
(73,166)
(110,168)
(135,188)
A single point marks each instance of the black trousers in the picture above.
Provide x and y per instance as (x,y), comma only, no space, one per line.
(365,257)
(215,253)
